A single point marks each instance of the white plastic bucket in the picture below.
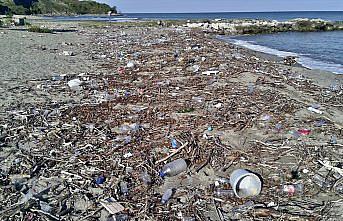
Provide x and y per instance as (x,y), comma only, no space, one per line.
(245,183)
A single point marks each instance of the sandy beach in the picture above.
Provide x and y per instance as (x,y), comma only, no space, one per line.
(140,87)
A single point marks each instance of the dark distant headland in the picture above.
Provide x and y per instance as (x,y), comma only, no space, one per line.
(54,7)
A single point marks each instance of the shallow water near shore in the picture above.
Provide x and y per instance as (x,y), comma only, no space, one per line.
(316,50)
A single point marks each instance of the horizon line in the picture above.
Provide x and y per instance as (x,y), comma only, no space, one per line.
(234,11)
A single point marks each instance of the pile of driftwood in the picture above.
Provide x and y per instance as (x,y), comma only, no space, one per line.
(162,95)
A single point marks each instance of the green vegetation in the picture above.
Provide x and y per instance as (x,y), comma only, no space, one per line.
(54,7)
(39,29)
(186,110)
(6,22)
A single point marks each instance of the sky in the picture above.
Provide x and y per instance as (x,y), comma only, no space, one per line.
(146,6)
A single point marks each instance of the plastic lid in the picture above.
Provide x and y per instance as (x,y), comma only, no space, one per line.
(162,174)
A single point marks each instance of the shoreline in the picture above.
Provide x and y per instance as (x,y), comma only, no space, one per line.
(283,54)
(90,114)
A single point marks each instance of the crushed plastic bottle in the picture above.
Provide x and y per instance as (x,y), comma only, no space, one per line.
(166,196)
(146,178)
(174,168)
(251,89)
(123,188)
(293,189)
(121,217)
(333,139)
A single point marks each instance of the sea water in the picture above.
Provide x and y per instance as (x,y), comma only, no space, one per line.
(315,50)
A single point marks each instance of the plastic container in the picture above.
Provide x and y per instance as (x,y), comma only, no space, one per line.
(123,188)
(245,183)
(166,196)
(293,189)
(174,168)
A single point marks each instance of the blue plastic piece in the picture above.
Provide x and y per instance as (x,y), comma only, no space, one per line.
(100,180)
(174,143)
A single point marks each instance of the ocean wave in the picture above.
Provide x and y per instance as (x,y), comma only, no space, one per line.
(302,59)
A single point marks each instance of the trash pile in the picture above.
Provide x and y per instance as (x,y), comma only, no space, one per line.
(177,126)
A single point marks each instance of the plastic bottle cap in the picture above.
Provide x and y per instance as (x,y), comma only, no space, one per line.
(162,174)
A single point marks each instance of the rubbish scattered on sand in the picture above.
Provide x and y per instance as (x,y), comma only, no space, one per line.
(68,53)
(312,109)
(159,139)
(209,73)
(74,84)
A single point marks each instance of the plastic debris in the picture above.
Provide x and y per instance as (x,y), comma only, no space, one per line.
(293,189)
(251,89)
(130,64)
(123,188)
(174,143)
(224,193)
(245,184)
(210,73)
(112,206)
(146,178)
(174,168)
(166,196)
(68,53)
(304,132)
(56,145)
(100,180)
(315,110)
(74,84)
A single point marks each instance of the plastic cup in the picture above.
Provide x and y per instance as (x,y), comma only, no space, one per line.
(245,183)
